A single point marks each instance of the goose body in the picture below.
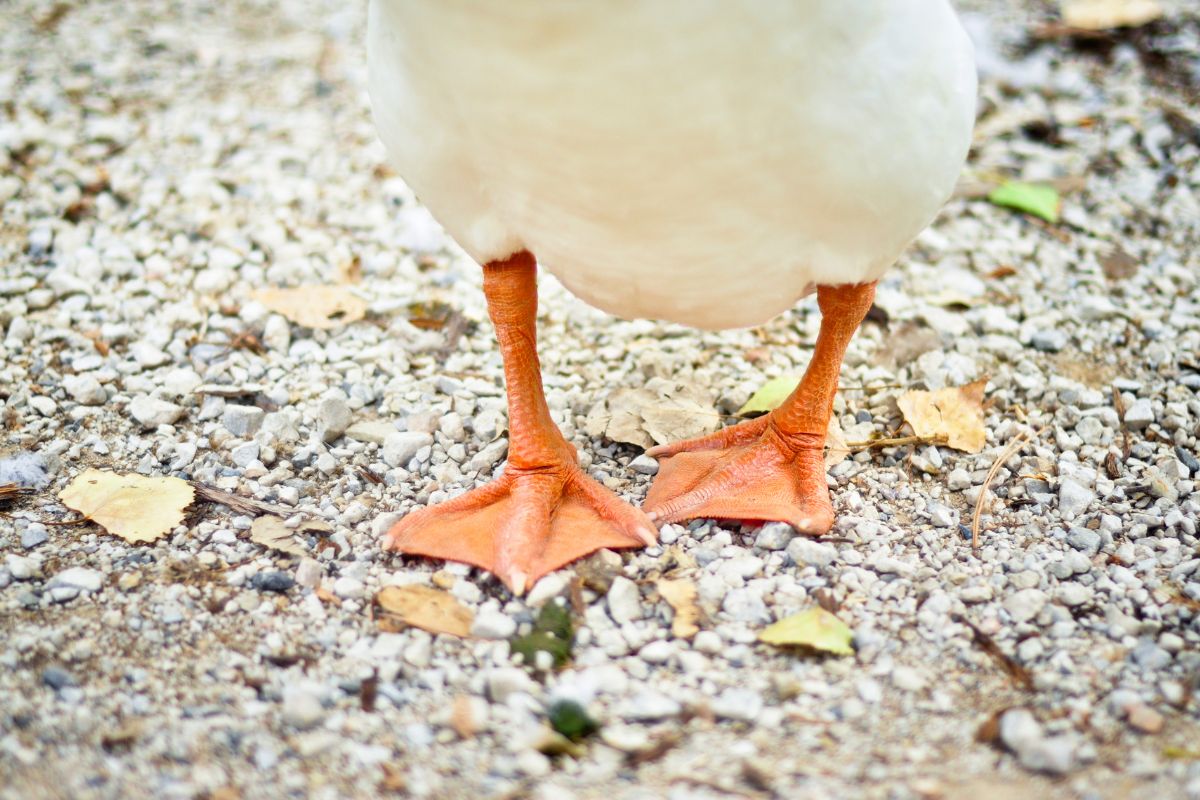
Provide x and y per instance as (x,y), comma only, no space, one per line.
(706,162)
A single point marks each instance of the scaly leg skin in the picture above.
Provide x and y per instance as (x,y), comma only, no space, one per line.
(770,468)
(544,511)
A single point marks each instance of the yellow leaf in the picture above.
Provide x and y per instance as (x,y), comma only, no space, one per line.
(134,507)
(770,396)
(426,608)
(815,628)
(320,307)
(681,596)
(953,412)
(661,411)
(1098,15)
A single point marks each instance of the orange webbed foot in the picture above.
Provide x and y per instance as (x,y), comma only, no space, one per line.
(524,524)
(746,472)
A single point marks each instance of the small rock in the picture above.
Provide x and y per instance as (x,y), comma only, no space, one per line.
(738,704)
(371,431)
(803,550)
(348,588)
(774,536)
(1150,657)
(242,421)
(272,581)
(245,454)
(507,681)
(908,679)
(1145,719)
(708,642)
(1084,540)
(79,578)
(548,588)
(941,516)
(624,601)
(43,405)
(150,412)
(1049,341)
(1139,415)
(1054,755)
(57,678)
(1026,604)
(333,416)
(650,705)
(20,567)
(400,447)
(309,572)
(644,465)
(493,624)
(147,355)
(302,708)
(34,535)
(27,470)
(85,390)
(1073,594)
(657,652)
(1073,498)
(958,480)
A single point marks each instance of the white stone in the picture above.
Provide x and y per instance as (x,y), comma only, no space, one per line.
(738,704)
(549,587)
(803,550)
(504,682)
(1026,604)
(491,623)
(624,601)
(309,573)
(80,578)
(85,390)
(400,447)
(657,652)
(349,588)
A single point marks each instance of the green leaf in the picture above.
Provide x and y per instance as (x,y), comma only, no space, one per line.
(552,633)
(568,718)
(770,396)
(1032,198)
(815,628)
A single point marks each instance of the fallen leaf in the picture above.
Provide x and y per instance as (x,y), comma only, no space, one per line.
(836,449)
(552,633)
(426,608)
(321,307)
(814,628)
(271,532)
(662,411)
(1099,15)
(134,507)
(769,396)
(1032,198)
(681,595)
(953,412)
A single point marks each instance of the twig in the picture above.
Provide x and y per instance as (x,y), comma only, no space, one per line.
(937,438)
(1012,448)
(246,505)
(988,645)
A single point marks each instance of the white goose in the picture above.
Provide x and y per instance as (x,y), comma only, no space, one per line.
(707,162)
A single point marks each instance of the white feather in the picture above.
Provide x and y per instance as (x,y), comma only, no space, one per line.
(706,162)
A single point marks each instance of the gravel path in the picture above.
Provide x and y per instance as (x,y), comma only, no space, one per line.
(158,162)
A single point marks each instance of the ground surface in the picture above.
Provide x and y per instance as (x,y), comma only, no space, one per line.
(160,161)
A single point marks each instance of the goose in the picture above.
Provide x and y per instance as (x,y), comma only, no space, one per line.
(704,162)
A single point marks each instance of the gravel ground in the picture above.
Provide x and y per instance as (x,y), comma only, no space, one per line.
(162,160)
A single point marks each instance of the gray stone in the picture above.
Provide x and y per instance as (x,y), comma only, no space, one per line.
(374,431)
(1073,594)
(245,454)
(651,705)
(85,390)
(1150,657)
(273,581)
(302,708)
(34,535)
(400,447)
(1049,341)
(504,682)
(738,704)
(1024,605)
(941,516)
(1084,540)
(491,623)
(309,572)
(644,465)
(57,678)
(1073,498)
(349,588)
(774,536)
(79,578)
(242,421)
(1139,415)
(150,412)
(624,601)
(333,416)
(20,567)
(803,550)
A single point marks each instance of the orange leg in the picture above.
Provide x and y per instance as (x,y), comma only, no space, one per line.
(544,511)
(772,467)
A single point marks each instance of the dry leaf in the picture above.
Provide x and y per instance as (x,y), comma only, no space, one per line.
(815,628)
(271,532)
(426,608)
(134,507)
(836,449)
(320,307)
(662,411)
(953,412)
(681,595)
(1099,15)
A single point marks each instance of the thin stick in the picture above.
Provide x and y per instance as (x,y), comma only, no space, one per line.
(937,438)
(1012,448)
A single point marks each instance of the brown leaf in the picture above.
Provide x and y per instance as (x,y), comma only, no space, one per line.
(1099,15)
(681,595)
(661,411)
(426,608)
(271,532)
(954,412)
(134,507)
(321,307)
(1118,264)
(836,449)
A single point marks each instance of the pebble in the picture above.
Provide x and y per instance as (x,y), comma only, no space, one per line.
(774,536)
(504,682)
(624,600)
(272,581)
(85,390)
(242,421)
(1073,498)
(400,447)
(57,678)
(333,417)
(80,579)
(1024,605)
(644,465)
(657,652)
(738,704)
(346,588)
(708,642)
(309,573)
(370,431)
(20,567)
(34,535)
(1049,341)
(1145,719)
(152,412)
(302,708)
(493,624)
(1139,415)
(803,550)
(549,587)
(1084,540)
(649,705)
